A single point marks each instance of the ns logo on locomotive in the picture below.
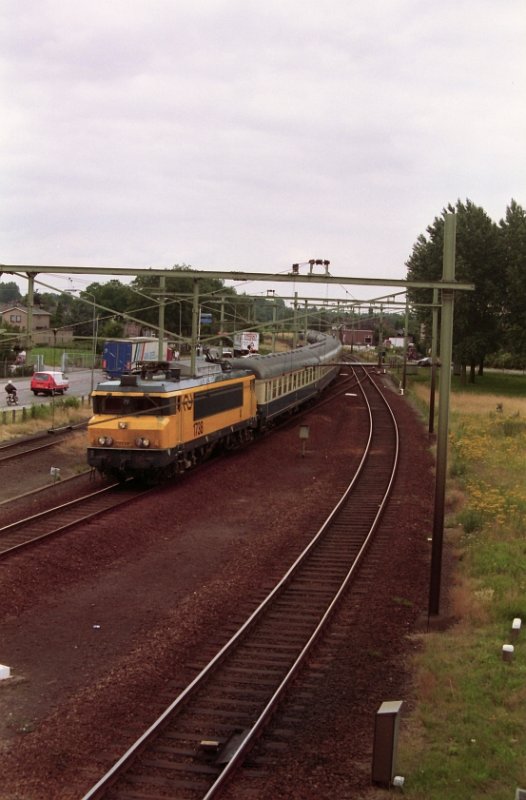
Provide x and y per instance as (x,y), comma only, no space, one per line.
(146,425)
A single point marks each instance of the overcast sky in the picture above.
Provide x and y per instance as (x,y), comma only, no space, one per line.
(231,134)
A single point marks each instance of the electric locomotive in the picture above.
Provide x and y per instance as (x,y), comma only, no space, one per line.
(160,424)
(143,425)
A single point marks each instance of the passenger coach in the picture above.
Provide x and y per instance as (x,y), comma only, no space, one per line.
(284,381)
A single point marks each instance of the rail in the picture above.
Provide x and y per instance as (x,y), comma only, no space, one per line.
(52,521)
(238,685)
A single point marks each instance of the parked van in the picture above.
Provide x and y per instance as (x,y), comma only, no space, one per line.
(49,383)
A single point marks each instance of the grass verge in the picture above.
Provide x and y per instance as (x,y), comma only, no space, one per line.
(65,411)
(466,737)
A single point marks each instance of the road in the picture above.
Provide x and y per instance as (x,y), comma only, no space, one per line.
(79,385)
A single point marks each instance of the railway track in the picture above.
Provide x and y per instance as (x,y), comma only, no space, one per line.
(28,531)
(204,735)
(30,445)
(24,532)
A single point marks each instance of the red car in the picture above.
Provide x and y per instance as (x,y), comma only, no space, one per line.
(49,382)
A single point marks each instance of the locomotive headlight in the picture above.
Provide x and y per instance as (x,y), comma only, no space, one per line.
(145,442)
(142,442)
(105,441)
(123,425)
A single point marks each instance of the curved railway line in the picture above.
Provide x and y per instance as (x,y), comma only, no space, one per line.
(31,444)
(32,529)
(194,748)
(59,518)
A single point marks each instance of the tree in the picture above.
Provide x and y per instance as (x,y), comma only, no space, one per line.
(513,243)
(266,308)
(9,292)
(112,301)
(477,325)
(179,299)
(64,312)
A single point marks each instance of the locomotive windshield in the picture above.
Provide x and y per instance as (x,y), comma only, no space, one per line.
(132,405)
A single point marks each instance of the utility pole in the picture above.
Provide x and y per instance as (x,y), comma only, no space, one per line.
(195,319)
(434,333)
(162,306)
(380,335)
(406,339)
(446,351)
(30,305)
(295,322)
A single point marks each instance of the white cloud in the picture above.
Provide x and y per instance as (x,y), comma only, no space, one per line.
(230,134)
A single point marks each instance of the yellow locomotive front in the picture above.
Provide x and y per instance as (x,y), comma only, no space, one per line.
(160,428)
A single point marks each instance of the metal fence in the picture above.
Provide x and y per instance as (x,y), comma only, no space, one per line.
(10,370)
(76,359)
(18,414)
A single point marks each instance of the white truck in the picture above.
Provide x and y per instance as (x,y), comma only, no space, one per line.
(246,343)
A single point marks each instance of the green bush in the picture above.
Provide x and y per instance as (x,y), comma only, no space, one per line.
(505,360)
(513,426)
(70,402)
(471,520)
(457,468)
(39,412)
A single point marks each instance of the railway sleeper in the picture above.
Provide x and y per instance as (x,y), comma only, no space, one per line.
(153,762)
(180,751)
(272,649)
(231,746)
(295,608)
(225,715)
(166,783)
(247,666)
(280,734)
(208,729)
(241,677)
(304,589)
(260,758)
(235,695)
(296,622)
(288,640)
(272,662)
(287,717)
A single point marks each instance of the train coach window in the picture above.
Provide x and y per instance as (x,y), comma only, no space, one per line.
(132,405)
(215,401)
